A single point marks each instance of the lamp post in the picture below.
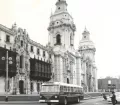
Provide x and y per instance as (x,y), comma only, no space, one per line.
(8,61)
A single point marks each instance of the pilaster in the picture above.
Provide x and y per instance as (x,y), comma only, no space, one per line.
(34,88)
(11,86)
(28,86)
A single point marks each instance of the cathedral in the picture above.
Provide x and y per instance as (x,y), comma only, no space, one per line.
(30,64)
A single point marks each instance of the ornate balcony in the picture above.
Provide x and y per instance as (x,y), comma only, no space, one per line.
(40,70)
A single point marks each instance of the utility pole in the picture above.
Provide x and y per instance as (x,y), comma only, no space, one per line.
(6,99)
(8,60)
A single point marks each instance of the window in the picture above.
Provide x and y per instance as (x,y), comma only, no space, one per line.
(58,39)
(31,49)
(84,36)
(7,38)
(21,58)
(43,53)
(38,51)
(58,7)
(49,55)
(50,88)
(38,87)
(71,40)
(21,43)
(68,80)
(31,88)
(61,89)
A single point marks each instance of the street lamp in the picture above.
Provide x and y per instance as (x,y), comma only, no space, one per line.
(8,61)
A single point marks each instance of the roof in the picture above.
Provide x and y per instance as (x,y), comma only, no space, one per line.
(60,83)
(6,29)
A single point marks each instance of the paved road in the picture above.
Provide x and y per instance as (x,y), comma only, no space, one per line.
(98,101)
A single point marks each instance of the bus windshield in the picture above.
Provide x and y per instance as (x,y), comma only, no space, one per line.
(50,88)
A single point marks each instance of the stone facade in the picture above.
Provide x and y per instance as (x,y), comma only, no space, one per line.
(57,61)
(89,70)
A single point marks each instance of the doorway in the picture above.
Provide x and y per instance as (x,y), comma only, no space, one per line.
(21,87)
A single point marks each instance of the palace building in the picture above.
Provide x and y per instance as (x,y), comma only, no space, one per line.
(30,63)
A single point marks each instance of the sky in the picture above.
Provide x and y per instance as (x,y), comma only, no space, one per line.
(101,18)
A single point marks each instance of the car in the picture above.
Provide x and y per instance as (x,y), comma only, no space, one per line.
(117,97)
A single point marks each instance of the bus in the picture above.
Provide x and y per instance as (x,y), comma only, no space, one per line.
(56,92)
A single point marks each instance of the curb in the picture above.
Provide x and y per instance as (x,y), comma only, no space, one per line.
(92,98)
(35,102)
(20,102)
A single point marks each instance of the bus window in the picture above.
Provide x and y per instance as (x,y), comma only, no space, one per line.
(65,89)
(61,89)
(50,88)
(71,89)
(68,89)
(75,90)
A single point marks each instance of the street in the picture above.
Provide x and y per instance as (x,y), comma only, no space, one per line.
(98,101)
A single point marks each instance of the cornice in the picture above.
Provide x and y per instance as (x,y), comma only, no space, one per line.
(37,44)
(88,49)
(60,13)
(5,29)
(72,26)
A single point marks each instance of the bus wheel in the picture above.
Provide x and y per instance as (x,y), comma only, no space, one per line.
(78,100)
(65,101)
(48,103)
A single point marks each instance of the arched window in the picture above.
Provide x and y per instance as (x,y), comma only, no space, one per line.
(68,80)
(71,39)
(38,87)
(58,39)
(31,87)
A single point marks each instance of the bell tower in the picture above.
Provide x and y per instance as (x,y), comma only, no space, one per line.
(61,28)
(87,50)
(61,5)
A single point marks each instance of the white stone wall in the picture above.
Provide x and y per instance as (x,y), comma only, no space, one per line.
(2,85)
(78,71)
(3,39)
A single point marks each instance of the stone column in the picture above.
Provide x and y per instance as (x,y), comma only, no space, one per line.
(34,87)
(11,86)
(86,82)
(60,69)
(17,84)
(96,80)
(28,86)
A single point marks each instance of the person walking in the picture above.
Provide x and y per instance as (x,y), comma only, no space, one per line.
(113,98)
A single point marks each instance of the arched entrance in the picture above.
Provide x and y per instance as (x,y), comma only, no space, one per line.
(21,87)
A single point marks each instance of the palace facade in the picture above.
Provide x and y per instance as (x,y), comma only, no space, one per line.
(32,63)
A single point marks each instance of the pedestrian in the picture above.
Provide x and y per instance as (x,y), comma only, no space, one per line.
(113,98)
(104,96)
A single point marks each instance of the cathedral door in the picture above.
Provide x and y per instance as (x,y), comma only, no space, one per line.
(21,87)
